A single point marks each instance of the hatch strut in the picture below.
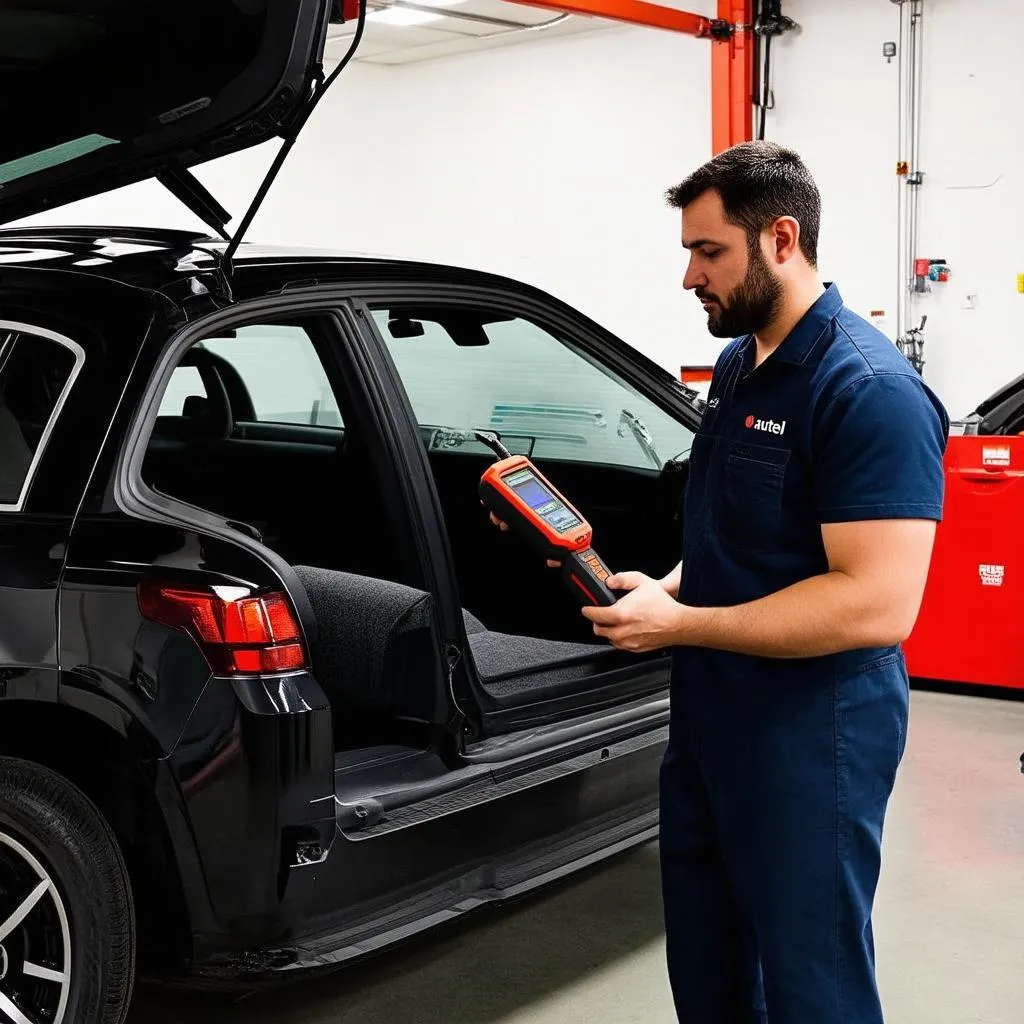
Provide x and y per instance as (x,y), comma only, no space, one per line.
(187,188)
(291,133)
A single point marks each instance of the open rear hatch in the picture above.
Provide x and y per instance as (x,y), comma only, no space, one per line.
(97,94)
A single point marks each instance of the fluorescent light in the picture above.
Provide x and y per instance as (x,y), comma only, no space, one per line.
(401,16)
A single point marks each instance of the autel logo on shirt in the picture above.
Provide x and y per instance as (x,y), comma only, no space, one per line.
(765,426)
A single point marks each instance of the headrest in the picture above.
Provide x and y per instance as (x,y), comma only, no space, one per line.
(208,418)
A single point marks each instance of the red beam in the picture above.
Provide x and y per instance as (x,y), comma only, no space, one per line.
(635,12)
(732,52)
(732,77)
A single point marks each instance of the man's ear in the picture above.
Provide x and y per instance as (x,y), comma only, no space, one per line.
(784,239)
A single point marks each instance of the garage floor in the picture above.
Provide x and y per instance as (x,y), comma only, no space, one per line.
(949,919)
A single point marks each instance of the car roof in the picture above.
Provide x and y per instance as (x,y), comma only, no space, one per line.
(154,258)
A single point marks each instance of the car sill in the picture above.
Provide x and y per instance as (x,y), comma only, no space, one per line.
(555,736)
(368,806)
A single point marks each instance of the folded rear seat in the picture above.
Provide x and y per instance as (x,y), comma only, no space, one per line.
(375,634)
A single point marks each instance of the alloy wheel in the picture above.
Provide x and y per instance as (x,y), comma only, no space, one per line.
(35,940)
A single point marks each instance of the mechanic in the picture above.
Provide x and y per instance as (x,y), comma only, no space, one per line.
(816,481)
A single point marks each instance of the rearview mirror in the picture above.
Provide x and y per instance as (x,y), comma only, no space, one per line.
(403,327)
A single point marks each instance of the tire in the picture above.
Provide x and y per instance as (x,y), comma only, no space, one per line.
(85,919)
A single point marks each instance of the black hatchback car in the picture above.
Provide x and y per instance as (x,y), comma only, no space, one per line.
(274,693)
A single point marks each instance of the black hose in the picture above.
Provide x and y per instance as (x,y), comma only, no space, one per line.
(763,107)
(769,21)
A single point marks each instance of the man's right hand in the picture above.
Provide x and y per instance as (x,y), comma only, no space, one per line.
(632,580)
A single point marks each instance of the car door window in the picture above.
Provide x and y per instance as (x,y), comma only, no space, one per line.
(472,370)
(278,366)
(36,374)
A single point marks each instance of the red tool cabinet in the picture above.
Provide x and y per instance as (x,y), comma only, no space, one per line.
(971,625)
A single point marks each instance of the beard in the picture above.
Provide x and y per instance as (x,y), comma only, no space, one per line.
(751,306)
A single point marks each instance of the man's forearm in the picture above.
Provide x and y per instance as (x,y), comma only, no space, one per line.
(821,615)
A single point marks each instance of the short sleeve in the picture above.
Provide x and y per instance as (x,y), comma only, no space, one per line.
(878,451)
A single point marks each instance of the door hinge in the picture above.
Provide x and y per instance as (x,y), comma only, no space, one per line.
(200,294)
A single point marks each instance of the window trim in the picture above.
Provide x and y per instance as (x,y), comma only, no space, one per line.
(79,353)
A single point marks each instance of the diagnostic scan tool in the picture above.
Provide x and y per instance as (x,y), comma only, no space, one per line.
(520,496)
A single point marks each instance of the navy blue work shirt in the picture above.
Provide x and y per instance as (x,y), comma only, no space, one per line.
(834,426)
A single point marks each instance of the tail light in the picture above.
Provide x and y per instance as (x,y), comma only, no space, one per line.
(239,634)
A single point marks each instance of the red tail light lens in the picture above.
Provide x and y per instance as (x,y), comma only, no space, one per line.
(245,635)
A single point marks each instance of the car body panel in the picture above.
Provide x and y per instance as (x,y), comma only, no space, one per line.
(255,767)
(371,893)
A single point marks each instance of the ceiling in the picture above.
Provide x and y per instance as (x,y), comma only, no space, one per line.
(408,31)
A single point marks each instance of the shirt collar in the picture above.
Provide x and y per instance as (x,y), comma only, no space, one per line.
(797,346)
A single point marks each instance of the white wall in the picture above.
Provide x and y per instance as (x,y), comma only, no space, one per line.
(548,160)
(837,104)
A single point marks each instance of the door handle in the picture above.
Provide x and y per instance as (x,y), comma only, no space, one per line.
(987,476)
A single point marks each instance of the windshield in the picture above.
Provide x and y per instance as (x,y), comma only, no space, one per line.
(544,396)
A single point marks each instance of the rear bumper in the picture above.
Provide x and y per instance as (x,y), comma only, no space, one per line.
(491,842)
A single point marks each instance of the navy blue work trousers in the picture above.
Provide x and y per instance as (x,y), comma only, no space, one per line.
(773,797)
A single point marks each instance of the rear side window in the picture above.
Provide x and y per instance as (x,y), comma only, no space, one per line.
(36,374)
(271,372)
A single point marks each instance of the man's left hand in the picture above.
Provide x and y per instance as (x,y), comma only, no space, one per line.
(644,619)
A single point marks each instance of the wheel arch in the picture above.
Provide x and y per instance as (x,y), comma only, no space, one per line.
(130,788)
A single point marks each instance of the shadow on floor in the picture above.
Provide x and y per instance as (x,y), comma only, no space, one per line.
(481,971)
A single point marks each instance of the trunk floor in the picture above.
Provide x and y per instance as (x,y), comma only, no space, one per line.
(511,666)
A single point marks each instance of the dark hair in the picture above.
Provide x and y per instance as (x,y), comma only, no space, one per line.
(758,182)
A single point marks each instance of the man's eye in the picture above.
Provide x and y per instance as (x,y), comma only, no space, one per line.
(712,254)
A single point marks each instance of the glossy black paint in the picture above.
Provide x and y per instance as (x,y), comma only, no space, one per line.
(228,811)
(255,765)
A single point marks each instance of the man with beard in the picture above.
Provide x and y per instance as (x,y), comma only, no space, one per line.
(815,484)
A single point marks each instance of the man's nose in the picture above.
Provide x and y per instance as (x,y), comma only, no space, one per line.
(693,279)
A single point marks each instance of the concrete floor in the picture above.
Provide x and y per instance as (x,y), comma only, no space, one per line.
(949,917)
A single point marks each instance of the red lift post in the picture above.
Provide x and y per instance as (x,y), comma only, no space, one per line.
(732,77)
(732,52)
